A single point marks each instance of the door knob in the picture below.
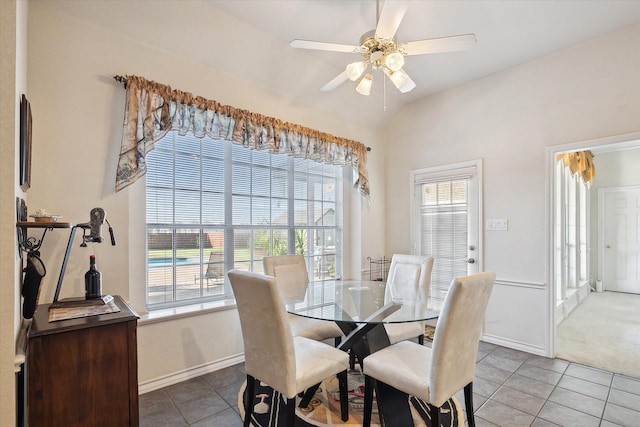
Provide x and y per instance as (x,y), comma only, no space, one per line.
(608,246)
(471,260)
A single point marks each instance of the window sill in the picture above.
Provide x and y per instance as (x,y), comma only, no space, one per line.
(166,314)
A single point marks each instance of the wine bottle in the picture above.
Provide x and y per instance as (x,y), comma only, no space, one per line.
(92,280)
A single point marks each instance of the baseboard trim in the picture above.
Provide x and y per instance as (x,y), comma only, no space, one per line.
(187,374)
(516,345)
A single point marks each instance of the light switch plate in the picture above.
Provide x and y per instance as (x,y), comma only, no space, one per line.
(497,225)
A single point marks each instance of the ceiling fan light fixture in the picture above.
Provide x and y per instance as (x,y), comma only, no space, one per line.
(407,86)
(355,70)
(364,87)
(399,78)
(394,61)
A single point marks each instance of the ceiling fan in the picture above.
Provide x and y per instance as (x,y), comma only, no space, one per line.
(381,50)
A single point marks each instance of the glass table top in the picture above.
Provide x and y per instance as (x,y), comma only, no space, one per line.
(360,302)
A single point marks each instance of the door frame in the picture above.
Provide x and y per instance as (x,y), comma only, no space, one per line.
(450,169)
(608,143)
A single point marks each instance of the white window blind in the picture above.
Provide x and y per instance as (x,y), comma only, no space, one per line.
(213,206)
(443,222)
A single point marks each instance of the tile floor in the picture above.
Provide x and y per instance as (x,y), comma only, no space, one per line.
(511,388)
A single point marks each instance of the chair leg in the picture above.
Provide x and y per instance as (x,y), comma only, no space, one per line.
(308,395)
(421,339)
(248,400)
(344,395)
(468,403)
(435,415)
(381,418)
(368,401)
(291,411)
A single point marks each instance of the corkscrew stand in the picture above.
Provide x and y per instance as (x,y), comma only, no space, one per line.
(98,217)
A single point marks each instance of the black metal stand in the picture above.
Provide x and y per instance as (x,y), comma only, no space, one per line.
(64,263)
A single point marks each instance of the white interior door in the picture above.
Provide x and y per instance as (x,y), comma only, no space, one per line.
(621,240)
(446,222)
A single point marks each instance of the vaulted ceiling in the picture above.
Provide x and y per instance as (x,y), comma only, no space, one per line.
(250,39)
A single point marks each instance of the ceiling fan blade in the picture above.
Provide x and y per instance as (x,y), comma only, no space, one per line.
(332,47)
(390,18)
(442,44)
(337,81)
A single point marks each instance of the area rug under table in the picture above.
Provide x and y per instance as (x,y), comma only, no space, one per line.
(324,409)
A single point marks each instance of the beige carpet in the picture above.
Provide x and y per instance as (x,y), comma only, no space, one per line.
(603,332)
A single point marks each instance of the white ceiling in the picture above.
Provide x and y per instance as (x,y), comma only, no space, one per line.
(250,39)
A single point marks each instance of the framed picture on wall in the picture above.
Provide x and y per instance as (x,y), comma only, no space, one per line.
(25,144)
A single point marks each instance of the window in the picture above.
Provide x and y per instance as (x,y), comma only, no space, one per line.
(571,234)
(213,206)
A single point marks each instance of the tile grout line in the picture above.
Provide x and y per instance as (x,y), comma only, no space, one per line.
(555,386)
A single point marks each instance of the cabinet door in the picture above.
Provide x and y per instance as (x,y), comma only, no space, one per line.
(81,378)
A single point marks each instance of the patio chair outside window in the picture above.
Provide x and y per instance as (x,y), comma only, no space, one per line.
(215,269)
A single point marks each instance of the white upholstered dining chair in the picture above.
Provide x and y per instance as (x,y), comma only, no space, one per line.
(409,278)
(293,278)
(288,364)
(435,374)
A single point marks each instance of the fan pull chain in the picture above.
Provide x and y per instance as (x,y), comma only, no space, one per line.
(384,93)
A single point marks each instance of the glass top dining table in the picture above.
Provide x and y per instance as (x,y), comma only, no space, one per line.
(360,301)
(359,308)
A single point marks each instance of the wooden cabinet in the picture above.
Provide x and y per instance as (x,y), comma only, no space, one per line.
(83,372)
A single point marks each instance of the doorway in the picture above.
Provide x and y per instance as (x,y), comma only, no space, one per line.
(445,222)
(616,160)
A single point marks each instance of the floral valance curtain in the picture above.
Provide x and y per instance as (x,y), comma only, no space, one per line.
(153,109)
(581,163)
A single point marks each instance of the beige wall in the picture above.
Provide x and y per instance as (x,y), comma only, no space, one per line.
(12,84)
(78,112)
(508,119)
